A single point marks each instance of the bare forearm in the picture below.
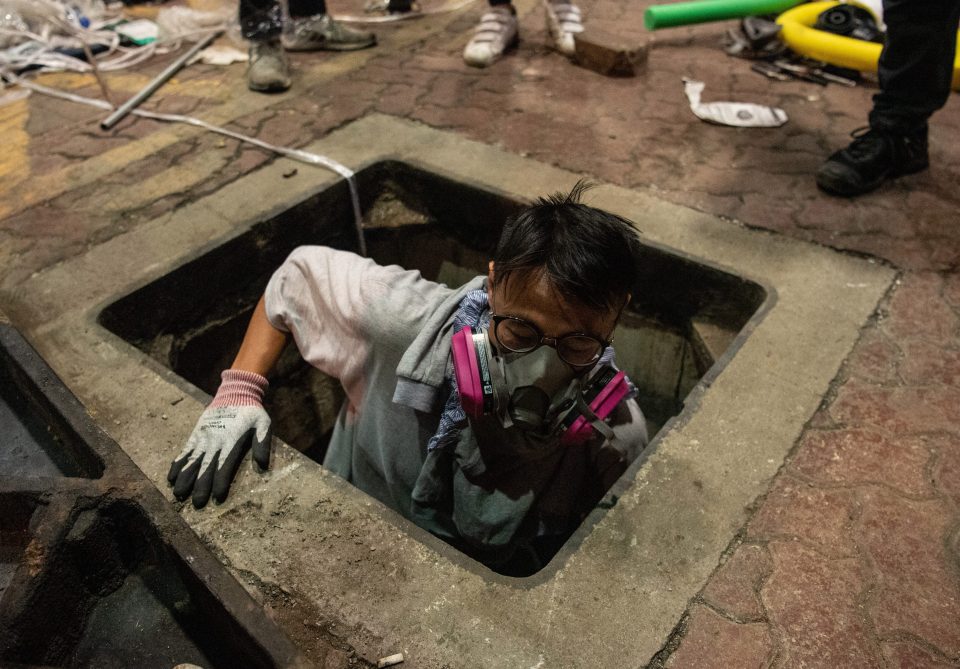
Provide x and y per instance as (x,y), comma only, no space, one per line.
(262,344)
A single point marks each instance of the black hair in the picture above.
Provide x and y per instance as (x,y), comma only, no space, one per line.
(586,253)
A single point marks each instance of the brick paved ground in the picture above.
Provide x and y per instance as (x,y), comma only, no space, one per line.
(853,557)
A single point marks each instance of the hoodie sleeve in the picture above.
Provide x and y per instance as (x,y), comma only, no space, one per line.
(320,296)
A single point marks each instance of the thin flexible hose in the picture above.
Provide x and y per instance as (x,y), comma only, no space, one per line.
(294,154)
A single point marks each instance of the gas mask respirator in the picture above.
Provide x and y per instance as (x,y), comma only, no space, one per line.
(535,392)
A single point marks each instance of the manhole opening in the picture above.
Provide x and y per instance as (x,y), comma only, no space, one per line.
(37,441)
(115,595)
(684,315)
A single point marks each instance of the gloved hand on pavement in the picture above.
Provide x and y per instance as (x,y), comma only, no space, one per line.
(234,419)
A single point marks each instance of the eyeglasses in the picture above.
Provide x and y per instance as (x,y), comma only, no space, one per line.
(519,336)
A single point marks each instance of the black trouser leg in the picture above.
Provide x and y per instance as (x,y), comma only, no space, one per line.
(916,65)
(405,5)
(302,8)
(262,20)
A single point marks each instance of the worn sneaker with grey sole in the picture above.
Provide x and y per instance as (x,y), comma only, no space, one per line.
(496,32)
(268,70)
(322,33)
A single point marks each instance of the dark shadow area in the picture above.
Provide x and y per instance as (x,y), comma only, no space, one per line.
(16,511)
(684,315)
(115,595)
(35,439)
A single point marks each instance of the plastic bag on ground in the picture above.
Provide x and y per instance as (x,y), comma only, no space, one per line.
(736,114)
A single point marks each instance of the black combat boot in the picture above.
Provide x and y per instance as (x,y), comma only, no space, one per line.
(873,157)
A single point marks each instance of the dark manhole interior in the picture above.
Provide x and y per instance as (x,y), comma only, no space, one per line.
(121,597)
(36,441)
(683,318)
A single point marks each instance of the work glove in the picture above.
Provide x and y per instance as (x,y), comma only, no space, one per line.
(234,419)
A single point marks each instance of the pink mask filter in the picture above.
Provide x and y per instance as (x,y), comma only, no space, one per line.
(471,367)
(472,360)
(604,392)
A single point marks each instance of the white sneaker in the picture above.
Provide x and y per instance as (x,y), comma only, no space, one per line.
(563,22)
(496,32)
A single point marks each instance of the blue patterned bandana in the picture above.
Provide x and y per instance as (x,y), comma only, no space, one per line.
(473,313)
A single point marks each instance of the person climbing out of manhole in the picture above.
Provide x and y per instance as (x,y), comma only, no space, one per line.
(310,29)
(492,415)
(498,31)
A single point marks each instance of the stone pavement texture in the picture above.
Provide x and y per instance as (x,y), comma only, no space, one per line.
(852,559)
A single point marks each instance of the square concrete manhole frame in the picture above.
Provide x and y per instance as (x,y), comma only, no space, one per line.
(341,561)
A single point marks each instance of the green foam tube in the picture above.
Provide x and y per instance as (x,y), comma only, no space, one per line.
(703,11)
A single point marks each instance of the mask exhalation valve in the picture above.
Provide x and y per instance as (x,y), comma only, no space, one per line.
(528,408)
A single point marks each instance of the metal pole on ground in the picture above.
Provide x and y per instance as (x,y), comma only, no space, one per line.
(157,82)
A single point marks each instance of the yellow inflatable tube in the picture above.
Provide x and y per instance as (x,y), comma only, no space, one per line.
(796,30)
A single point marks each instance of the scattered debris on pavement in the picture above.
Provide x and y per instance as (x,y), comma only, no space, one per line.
(736,114)
(390,660)
(221,54)
(821,42)
(92,35)
(757,39)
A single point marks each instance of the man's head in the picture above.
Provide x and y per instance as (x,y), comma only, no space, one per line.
(564,267)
